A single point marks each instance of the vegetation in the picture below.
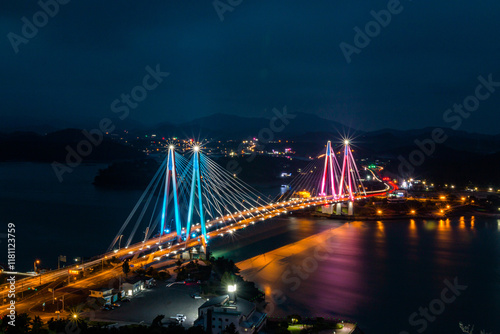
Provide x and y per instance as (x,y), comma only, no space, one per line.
(193,270)
(224,273)
(294,324)
(160,275)
(25,324)
(230,329)
(126,267)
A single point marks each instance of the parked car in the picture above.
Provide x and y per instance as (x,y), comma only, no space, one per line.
(196,296)
(191,282)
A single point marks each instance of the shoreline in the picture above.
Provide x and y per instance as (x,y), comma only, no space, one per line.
(398,217)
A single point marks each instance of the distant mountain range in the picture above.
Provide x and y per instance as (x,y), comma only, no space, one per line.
(308,128)
(302,128)
(30,146)
(461,152)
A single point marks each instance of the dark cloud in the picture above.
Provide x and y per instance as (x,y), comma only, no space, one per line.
(264,54)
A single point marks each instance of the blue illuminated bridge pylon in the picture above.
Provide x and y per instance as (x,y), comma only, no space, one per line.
(188,192)
(171,177)
(196,188)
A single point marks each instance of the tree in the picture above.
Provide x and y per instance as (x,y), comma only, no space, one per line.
(140,272)
(23,324)
(222,265)
(157,321)
(37,325)
(152,272)
(196,330)
(57,326)
(126,267)
(230,329)
(282,328)
(294,319)
(227,279)
(163,275)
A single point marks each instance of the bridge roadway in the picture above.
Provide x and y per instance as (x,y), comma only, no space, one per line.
(214,229)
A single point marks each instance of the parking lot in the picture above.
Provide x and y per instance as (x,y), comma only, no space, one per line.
(145,306)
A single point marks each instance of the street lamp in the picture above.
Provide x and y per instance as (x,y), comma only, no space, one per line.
(35,264)
(232,292)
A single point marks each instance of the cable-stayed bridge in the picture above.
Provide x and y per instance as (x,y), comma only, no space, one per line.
(192,199)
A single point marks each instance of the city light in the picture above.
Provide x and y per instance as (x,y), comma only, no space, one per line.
(196,148)
(231,288)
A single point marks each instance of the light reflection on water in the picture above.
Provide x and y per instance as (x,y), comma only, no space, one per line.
(378,271)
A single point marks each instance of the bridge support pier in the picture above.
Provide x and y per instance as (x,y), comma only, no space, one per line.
(198,252)
(186,255)
(328,209)
(350,208)
(203,252)
(338,209)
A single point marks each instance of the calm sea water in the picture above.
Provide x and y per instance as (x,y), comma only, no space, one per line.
(53,218)
(378,273)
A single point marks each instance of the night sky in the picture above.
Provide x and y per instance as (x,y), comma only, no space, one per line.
(262,55)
